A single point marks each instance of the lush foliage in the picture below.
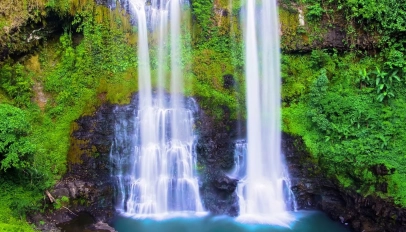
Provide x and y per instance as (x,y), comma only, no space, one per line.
(216,53)
(91,62)
(202,10)
(345,122)
(15,83)
(385,19)
(348,107)
(15,148)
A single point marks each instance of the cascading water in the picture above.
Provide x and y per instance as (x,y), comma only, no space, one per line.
(155,178)
(262,194)
(240,167)
(154,148)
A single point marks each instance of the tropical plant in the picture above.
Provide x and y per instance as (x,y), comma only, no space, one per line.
(384,83)
(363,78)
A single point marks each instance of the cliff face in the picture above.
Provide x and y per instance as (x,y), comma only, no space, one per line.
(90,187)
(215,150)
(298,34)
(87,187)
(314,190)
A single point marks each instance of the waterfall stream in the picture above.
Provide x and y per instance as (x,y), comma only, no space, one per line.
(154,147)
(262,195)
(155,175)
(153,153)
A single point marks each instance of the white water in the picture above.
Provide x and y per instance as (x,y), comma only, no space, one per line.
(262,193)
(240,167)
(154,149)
(155,174)
(161,17)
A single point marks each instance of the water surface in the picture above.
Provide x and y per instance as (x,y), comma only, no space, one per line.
(306,221)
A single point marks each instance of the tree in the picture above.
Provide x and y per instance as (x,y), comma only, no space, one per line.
(15,147)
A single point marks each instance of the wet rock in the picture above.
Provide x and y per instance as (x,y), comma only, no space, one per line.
(72,189)
(215,156)
(224,183)
(298,36)
(85,222)
(380,170)
(314,190)
(60,192)
(87,183)
(383,187)
(90,188)
(100,227)
(228,81)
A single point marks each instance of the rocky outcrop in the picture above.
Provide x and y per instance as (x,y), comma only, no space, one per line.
(17,41)
(100,227)
(87,186)
(314,190)
(215,150)
(300,34)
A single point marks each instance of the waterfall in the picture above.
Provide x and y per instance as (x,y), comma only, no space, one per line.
(156,175)
(153,152)
(262,192)
(162,25)
(240,153)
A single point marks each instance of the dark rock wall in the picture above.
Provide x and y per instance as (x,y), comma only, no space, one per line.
(93,135)
(87,183)
(314,190)
(215,150)
(27,38)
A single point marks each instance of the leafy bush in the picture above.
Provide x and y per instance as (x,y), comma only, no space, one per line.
(16,83)
(202,11)
(315,12)
(346,127)
(15,148)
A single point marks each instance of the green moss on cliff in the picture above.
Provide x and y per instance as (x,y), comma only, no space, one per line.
(294,35)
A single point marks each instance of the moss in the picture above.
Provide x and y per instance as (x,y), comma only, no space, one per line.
(76,149)
(119,90)
(289,29)
(206,82)
(17,13)
(33,64)
(4,98)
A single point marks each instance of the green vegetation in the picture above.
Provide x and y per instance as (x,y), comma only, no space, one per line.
(15,149)
(215,54)
(59,203)
(42,94)
(202,11)
(349,107)
(384,21)
(15,83)
(349,122)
